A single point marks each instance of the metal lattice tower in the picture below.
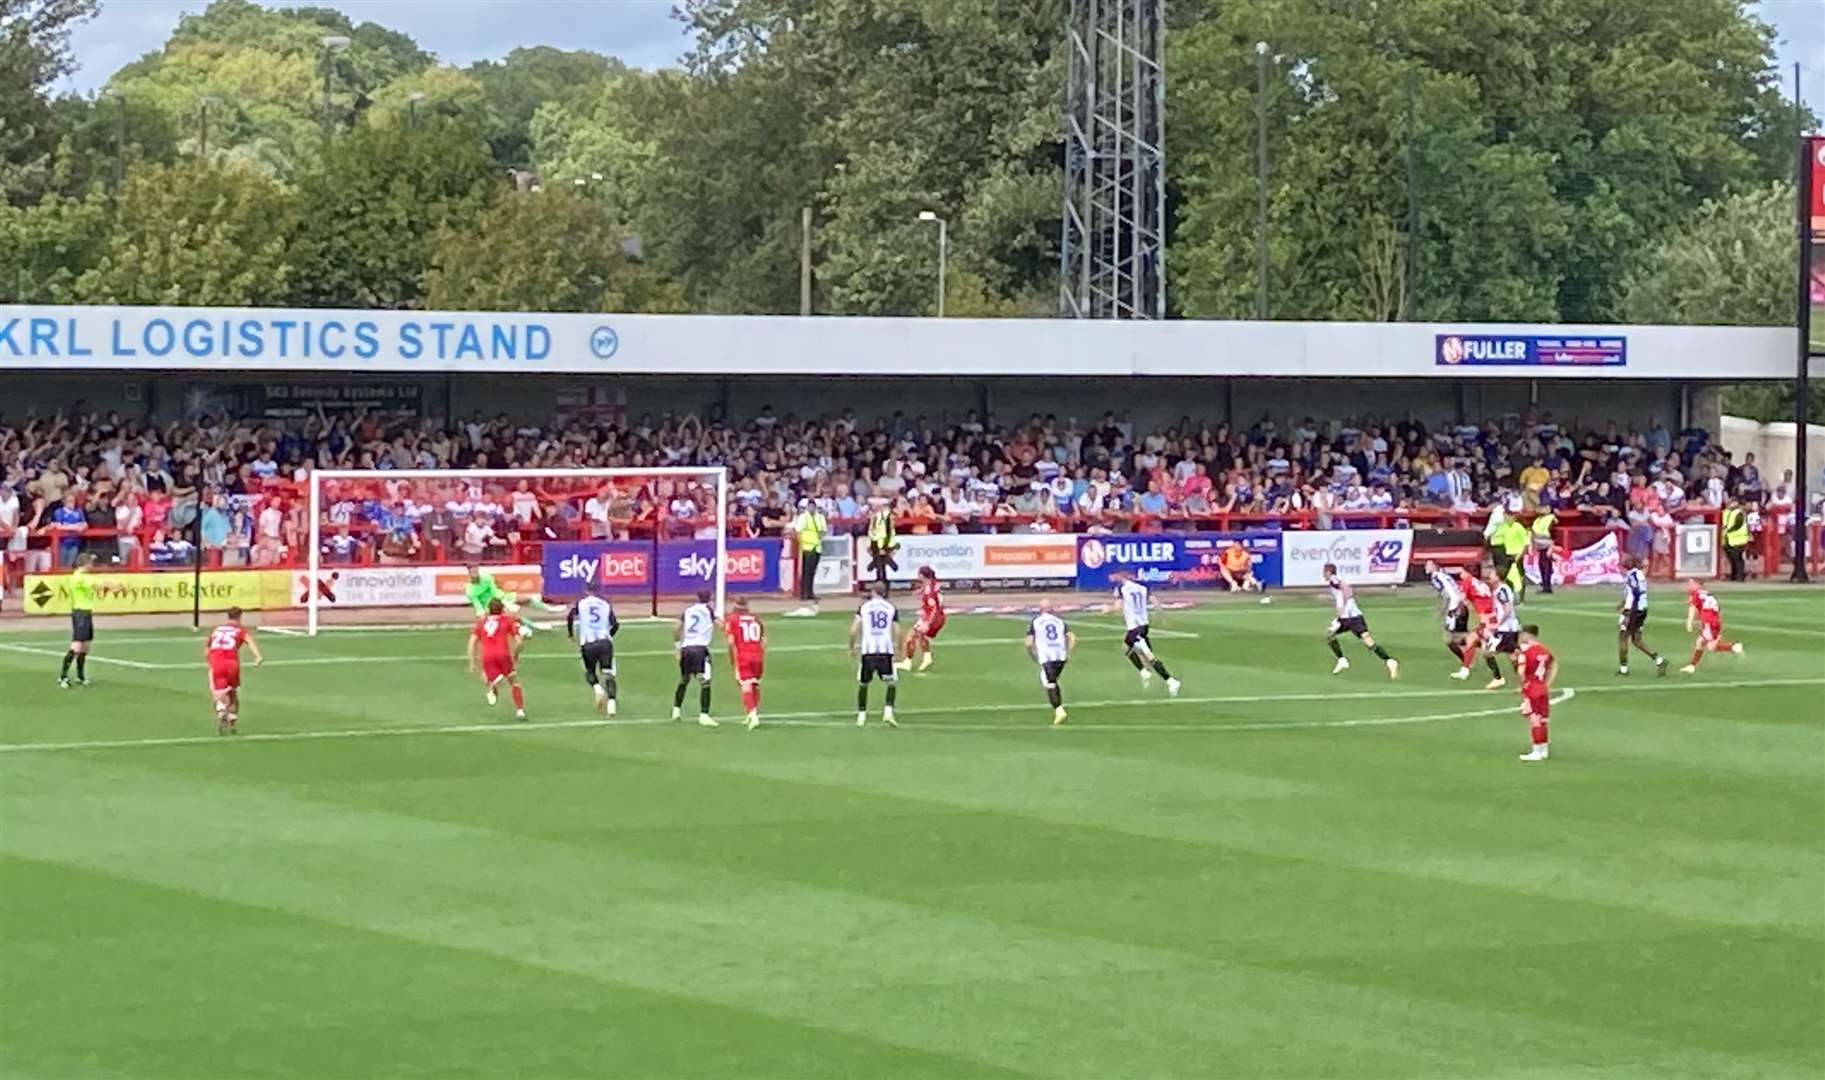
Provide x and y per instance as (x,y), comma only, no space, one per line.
(1113,253)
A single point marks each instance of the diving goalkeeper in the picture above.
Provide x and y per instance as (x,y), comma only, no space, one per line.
(482,588)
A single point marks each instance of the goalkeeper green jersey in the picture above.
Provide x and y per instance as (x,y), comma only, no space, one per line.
(482,590)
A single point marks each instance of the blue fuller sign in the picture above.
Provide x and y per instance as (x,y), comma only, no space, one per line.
(1526,350)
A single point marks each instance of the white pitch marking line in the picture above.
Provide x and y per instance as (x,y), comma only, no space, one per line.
(316,661)
(1611,614)
(826,718)
(33,650)
(784,720)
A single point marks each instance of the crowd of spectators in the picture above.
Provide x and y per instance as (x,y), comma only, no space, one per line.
(130,489)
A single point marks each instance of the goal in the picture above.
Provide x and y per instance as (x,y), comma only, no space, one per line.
(404,538)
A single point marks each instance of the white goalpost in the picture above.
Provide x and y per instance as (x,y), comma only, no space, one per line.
(329,487)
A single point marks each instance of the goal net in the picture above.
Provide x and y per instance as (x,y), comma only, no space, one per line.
(408,538)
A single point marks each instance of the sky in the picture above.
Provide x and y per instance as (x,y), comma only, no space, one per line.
(644,34)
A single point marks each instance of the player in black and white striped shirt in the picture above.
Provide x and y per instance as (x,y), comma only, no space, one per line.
(1633,615)
(593,624)
(692,633)
(1050,643)
(1137,643)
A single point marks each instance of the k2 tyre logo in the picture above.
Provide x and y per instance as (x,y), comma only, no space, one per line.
(1384,555)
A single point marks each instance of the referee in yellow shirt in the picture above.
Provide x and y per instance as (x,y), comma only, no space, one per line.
(82,622)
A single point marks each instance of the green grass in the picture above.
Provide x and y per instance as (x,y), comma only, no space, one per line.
(1227,884)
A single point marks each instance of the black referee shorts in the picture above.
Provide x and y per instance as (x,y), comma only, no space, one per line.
(82,626)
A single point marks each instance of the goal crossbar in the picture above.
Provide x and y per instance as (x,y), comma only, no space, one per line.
(717,474)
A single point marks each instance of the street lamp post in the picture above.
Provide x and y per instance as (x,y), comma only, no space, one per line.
(412,101)
(943,251)
(120,136)
(203,142)
(331,43)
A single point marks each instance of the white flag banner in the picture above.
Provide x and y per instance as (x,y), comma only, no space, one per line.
(1594,564)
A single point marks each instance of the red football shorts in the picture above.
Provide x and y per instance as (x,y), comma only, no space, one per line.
(496,667)
(748,668)
(929,625)
(1534,704)
(1710,629)
(224,675)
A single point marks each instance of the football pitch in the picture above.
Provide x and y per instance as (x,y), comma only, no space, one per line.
(1279,873)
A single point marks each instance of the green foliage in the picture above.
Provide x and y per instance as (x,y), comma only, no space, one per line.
(46,246)
(1731,263)
(1570,159)
(597,143)
(195,235)
(448,94)
(370,212)
(97,134)
(1551,143)
(552,250)
(526,80)
(869,112)
(266,69)
(34,54)
(1773,402)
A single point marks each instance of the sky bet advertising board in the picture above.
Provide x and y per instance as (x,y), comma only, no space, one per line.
(1173,560)
(682,566)
(1523,350)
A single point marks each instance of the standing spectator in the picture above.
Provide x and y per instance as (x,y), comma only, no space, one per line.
(524,502)
(67,524)
(1735,529)
(809,528)
(128,520)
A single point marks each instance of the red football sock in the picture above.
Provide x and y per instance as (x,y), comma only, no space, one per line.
(519,699)
(1722,645)
(1539,732)
(1468,656)
(750,698)
(1697,654)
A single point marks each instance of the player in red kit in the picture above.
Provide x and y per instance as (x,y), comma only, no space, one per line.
(496,639)
(931,621)
(747,655)
(1701,607)
(224,656)
(1537,668)
(1481,597)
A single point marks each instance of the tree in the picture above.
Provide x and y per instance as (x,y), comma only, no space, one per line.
(1551,143)
(869,111)
(1732,264)
(447,94)
(34,54)
(195,235)
(101,135)
(598,143)
(526,80)
(371,209)
(45,247)
(264,68)
(552,250)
